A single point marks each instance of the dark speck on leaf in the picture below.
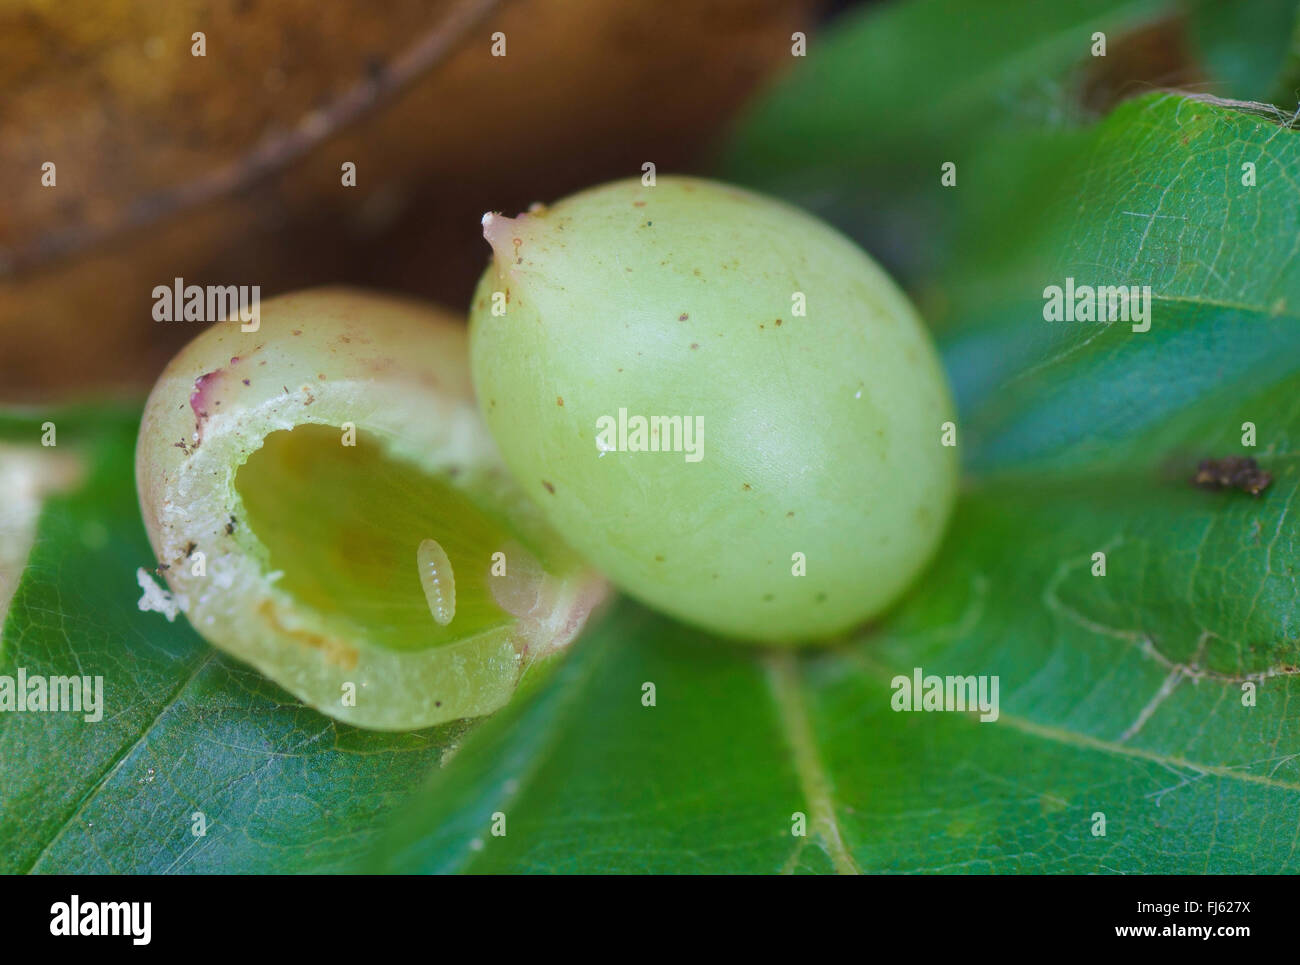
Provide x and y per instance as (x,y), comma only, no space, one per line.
(230,526)
(549,488)
(695,345)
(659,559)
(1231,472)
(245,381)
(682,317)
(190,547)
(747,487)
(559,400)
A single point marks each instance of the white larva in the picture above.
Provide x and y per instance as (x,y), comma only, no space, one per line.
(438,580)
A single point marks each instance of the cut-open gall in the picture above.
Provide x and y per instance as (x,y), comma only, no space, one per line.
(719,400)
(286,477)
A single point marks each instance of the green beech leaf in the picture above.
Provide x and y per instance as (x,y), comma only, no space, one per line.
(1154,196)
(1158,697)
(184,731)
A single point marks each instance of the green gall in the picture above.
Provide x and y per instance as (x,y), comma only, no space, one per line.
(718,400)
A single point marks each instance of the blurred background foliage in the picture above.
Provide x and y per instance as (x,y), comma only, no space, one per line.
(225,169)
(858,134)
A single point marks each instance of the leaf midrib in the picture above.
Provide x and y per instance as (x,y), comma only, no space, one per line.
(785,685)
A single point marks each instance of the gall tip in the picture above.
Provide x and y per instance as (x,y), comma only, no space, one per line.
(500,232)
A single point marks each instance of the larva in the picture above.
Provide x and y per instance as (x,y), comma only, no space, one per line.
(438,581)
